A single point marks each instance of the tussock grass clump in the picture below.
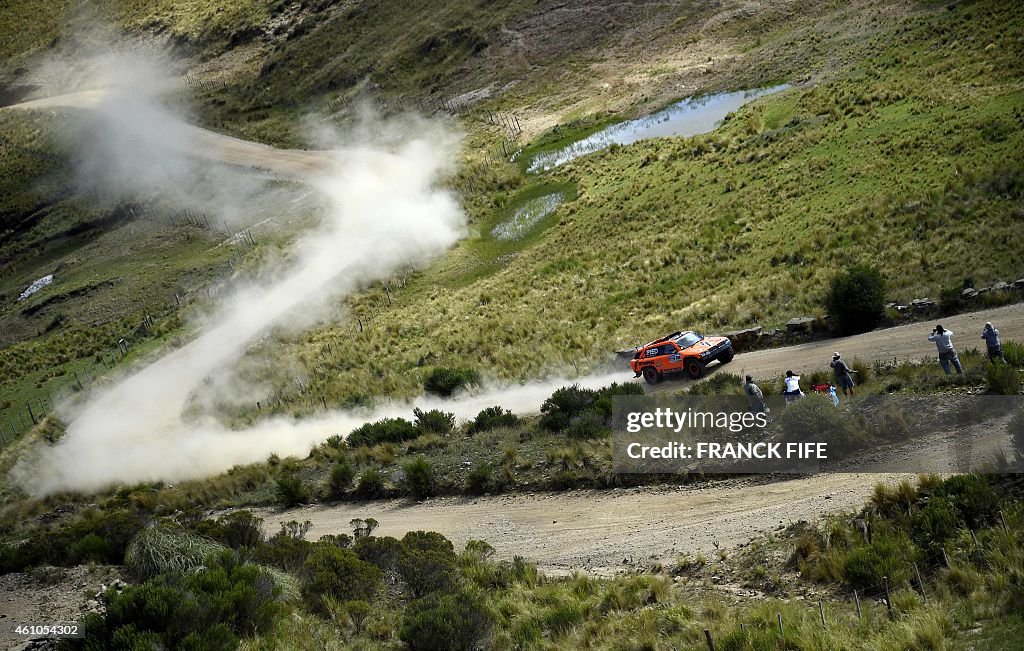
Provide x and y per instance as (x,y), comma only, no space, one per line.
(166,548)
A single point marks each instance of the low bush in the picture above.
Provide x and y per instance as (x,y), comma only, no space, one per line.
(340,479)
(888,555)
(382,551)
(1014,353)
(458,622)
(339,574)
(371,484)
(427,563)
(563,405)
(236,530)
(290,490)
(387,430)
(1002,379)
(480,479)
(492,418)
(419,477)
(434,421)
(816,418)
(210,609)
(446,381)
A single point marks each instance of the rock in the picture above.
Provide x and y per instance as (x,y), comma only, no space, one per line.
(744,337)
(800,324)
(969,293)
(1019,283)
(923,305)
(1000,286)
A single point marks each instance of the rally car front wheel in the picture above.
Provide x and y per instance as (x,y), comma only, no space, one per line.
(694,368)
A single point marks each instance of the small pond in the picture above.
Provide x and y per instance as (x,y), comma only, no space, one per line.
(689,117)
(526,217)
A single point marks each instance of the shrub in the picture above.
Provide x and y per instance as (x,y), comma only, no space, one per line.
(286,549)
(458,622)
(815,418)
(427,563)
(887,555)
(90,548)
(492,418)
(419,477)
(387,430)
(382,551)
(205,610)
(236,530)
(972,497)
(856,299)
(370,484)
(446,381)
(1014,353)
(434,421)
(480,479)
(291,490)
(563,405)
(341,478)
(1002,379)
(330,572)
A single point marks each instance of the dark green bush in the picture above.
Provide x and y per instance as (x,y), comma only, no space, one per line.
(236,530)
(387,430)
(341,478)
(888,555)
(972,497)
(287,549)
(480,479)
(492,418)
(339,574)
(1014,353)
(206,610)
(446,381)
(456,622)
(419,477)
(290,490)
(434,421)
(427,563)
(370,484)
(382,551)
(91,548)
(856,299)
(563,405)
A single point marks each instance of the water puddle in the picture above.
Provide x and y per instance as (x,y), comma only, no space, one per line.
(526,217)
(36,286)
(689,117)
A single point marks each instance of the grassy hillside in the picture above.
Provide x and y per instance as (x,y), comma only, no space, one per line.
(899,145)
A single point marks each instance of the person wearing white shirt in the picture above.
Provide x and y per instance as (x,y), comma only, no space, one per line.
(792,387)
(943,340)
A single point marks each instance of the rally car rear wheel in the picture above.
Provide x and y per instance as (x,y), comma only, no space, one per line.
(694,368)
(652,375)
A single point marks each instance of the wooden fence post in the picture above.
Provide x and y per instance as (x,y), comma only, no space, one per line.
(888,597)
(782,632)
(1003,520)
(821,611)
(711,640)
(856,599)
(920,583)
(945,557)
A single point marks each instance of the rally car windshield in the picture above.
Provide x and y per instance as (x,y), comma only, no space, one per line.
(688,339)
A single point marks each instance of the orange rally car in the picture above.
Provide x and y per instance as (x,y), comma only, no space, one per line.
(680,351)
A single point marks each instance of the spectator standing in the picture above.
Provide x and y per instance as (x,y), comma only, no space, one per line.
(844,377)
(992,342)
(943,340)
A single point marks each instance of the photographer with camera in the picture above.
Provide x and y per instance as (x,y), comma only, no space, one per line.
(944,343)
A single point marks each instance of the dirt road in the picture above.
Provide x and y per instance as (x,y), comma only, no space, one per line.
(210,145)
(906,342)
